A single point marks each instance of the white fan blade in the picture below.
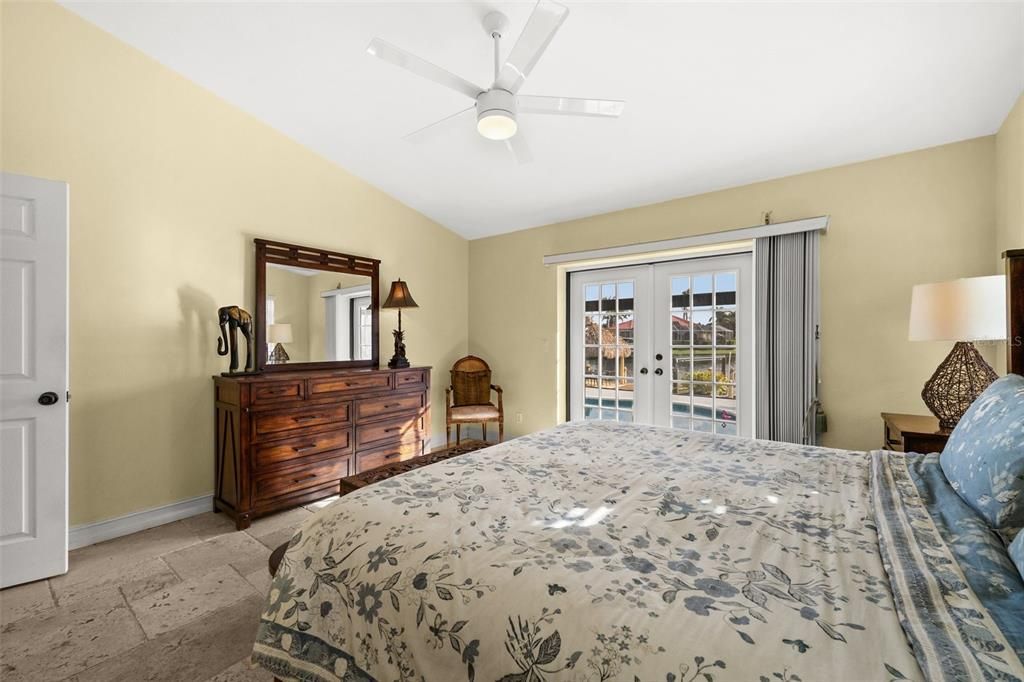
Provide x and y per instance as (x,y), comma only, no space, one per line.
(540,28)
(421,67)
(430,132)
(569,106)
(519,148)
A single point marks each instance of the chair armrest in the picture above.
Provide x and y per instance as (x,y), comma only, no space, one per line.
(496,388)
(501,407)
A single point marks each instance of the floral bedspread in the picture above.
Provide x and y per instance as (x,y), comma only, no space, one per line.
(595,551)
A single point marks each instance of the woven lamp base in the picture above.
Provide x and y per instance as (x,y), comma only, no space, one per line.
(957,383)
(278,356)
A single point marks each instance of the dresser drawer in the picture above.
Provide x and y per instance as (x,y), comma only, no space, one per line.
(277,391)
(268,424)
(279,452)
(406,429)
(388,455)
(411,378)
(349,383)
(288,481)
(376,408)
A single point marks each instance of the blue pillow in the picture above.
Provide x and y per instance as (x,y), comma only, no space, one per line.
(1017,553)
(984,457)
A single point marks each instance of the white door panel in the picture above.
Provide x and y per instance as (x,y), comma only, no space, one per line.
(33,361)
(610,344)
(703,332)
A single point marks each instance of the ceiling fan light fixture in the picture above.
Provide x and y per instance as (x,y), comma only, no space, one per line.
(496,114)
(496,125)
(497,108)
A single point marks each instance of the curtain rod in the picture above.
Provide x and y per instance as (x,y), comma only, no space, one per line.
(755,232)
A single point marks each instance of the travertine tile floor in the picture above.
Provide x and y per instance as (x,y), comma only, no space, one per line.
(177,602)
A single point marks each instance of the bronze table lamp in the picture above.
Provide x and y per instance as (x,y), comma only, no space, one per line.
(399,297)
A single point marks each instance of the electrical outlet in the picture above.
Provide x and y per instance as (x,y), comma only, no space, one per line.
(519,417)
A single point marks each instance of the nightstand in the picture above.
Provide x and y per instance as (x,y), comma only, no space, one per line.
(914,433)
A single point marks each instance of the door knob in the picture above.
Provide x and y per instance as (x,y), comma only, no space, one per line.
(49,398)
(643,370)
(659,371)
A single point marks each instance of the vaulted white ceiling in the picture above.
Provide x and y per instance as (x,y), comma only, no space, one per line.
(717,94)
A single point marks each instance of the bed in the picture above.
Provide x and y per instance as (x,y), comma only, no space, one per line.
(603,551)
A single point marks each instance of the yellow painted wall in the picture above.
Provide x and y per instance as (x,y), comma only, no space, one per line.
(898,221)
(169,185)
(1010,180)
(1009,194)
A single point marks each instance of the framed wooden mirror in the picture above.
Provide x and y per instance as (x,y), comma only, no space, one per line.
(322,307)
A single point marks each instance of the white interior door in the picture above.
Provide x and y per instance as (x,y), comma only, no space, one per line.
(703,345)
(33,379)
(669,344)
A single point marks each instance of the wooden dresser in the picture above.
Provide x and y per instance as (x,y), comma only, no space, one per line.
(288,438)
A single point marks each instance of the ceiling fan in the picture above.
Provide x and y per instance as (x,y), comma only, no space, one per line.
(497,107)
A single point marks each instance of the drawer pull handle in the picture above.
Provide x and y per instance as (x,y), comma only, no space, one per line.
(305,417)
(392,454)
(303,448)
(388,407)
(300,479)
(393,428)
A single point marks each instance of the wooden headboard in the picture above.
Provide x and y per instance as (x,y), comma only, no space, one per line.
(1015,311)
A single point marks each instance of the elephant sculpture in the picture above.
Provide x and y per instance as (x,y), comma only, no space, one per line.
(234,319)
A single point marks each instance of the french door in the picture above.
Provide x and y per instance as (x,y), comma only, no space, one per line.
(668,344)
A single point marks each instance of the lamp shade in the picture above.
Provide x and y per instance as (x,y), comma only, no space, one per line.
(969,309)
(279,333)
(399,296)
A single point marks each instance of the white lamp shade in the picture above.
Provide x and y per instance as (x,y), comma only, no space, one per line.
(279,333)
(969,309)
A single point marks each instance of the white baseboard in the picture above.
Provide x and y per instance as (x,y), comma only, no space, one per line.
(91,533)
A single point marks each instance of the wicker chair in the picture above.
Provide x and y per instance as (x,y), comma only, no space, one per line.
(468,399)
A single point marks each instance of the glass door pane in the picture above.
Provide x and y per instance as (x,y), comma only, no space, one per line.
(605,314)
(702,333)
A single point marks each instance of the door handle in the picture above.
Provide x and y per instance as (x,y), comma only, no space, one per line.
(659,371)
(49,398)
(643,370)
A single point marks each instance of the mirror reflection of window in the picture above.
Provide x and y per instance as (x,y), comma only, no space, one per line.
(270,321)
(330,313)
(361,315)
(348,323)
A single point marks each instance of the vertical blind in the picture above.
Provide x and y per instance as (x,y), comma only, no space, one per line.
(786,325)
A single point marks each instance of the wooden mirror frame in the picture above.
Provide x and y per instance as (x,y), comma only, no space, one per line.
(280,253)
